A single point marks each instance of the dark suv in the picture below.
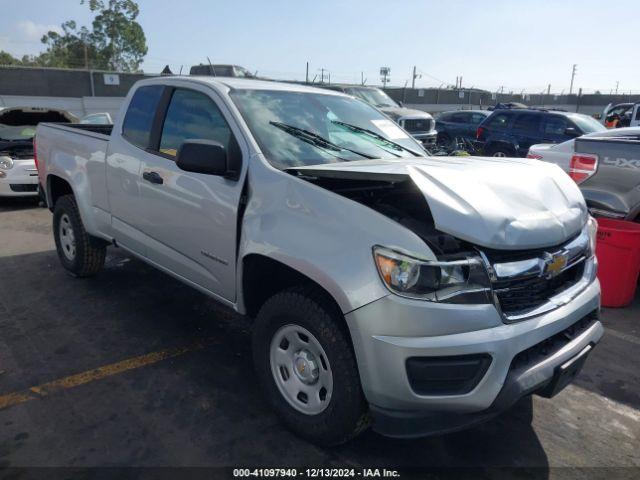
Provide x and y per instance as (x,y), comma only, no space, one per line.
(510,132)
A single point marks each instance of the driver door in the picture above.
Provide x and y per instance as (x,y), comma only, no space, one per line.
(190,218)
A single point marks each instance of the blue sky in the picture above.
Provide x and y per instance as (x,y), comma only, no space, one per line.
(518,44)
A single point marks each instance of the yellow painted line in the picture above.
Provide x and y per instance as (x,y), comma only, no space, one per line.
(72,381)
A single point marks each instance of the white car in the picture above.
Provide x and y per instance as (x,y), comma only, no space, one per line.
(18,172)
(18,169)
(561,153)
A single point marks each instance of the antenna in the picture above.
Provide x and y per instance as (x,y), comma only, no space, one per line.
(213,70)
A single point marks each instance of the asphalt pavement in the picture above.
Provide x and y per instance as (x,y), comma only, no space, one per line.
(133,368)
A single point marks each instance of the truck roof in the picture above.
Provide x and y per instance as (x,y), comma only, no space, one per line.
(235,83)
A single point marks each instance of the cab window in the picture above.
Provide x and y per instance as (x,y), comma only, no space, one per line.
(555,125)
(138,120)
(192,116)
(501,120)
(527,123)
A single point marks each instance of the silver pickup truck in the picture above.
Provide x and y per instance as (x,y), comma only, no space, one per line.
(416,294)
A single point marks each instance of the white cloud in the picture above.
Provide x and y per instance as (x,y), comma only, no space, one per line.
(30,31)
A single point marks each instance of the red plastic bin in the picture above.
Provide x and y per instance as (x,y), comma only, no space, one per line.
(618,252)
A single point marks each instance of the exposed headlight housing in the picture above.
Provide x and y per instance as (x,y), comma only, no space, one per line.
(6,163)
(456,281)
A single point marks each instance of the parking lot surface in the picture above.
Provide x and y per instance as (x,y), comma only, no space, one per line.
(132,367)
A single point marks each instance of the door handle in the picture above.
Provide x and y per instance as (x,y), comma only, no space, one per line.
(153,177)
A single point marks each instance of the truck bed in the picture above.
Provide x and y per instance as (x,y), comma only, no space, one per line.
(614,189)
(68,150)
(102,130)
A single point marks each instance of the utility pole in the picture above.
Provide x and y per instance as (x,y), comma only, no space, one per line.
(578,100)
(617,85)
(413,78)
(322,75)
(573,75)
(306,77)
(86,56)
(362,78)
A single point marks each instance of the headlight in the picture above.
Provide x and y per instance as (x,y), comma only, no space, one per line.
(456,281)
(592,231)
(6,163)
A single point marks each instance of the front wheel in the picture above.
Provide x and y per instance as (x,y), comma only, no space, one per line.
(306,367)
(79,253)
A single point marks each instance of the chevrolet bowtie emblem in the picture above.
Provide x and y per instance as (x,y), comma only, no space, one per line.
(555,265)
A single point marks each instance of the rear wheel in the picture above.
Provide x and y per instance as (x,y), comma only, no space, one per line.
(80,254)
(307,368)
(501,151)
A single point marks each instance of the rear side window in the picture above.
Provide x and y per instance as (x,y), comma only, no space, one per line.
(501,120)
(527,122)
(459,118)
(139,117)
(555,125)
(192,115)
(477,118)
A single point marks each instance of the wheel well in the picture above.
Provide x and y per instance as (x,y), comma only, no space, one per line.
(57,187)
(263,277)
(501,145)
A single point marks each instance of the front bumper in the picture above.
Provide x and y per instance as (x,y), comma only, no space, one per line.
(19,181)
(389,331)
(426,138)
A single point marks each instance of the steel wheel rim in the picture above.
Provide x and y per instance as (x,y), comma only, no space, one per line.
(301,369)
(67,237)
(500,154)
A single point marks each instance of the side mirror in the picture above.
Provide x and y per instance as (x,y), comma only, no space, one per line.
(401,104)
(572,132)
(203,156)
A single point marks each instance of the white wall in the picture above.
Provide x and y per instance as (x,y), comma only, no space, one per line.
(78,106)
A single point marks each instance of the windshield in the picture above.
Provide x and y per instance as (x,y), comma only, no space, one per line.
(373,96)
(587,124)
(303,128)
(17,132)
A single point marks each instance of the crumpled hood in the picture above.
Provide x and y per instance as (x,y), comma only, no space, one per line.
(497,203)
(397,112)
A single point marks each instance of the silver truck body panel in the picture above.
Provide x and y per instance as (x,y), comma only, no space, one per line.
(383,347)
(188,228)
(496,203)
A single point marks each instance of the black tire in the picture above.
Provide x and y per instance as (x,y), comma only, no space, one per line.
(501,151)
(346,414)
(90,252)
(444,140)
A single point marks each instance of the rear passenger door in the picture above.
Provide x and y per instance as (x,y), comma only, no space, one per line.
(190,218)
(553,129)
(526,131)
(458,124)
(128,148)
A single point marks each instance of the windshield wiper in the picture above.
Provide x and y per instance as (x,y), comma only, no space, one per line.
(375,135)
(316,140)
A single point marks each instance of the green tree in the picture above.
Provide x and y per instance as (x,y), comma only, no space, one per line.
(8,59)
(115,42)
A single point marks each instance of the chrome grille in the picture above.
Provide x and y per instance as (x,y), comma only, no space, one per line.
(414,125)
(519,295)
(524,282)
